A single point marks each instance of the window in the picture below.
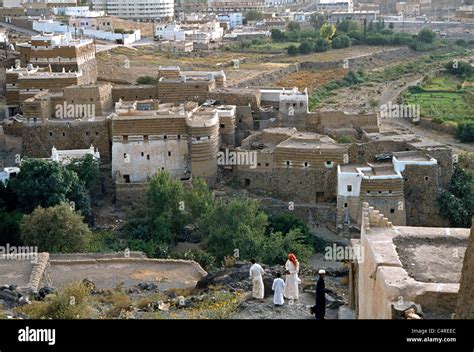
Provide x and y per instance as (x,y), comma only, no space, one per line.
(222,125)
(87,133)
(179,136)
(125,155)
(148,157)
(380,192)
(50,133)
(142,154)
(258,164)
(390,191)
(287,163)
(368,192)
(169,153)
(328,162)
(392,211)
(426,178)
(305,164)
(64,134)
(345,205)
(267,164)
(349,188)
(165,137)
(126,178)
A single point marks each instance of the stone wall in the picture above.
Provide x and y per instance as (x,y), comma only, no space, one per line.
(269,77)
(132,93)
(39,138)
(465,302)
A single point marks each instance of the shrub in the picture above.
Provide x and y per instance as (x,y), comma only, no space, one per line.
(146,80)
(341,41)
(304,48)
(465,132)
(321,45)
(69,303)
(345,139)
(292,50)
(205,259)
(426,35)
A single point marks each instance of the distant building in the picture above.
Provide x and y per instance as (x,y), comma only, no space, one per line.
(138,10)
(66,156)
(7,173)
(234,19)
(235,5)
(334,5)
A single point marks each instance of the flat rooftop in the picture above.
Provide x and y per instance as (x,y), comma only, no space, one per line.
(307,140)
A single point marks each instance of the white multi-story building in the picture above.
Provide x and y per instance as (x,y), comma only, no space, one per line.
(138,10)
(234,19)
(335,5)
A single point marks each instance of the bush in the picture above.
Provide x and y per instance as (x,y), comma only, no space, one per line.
(426,35)
(69,303)
(292,50)
(304,48)
(345,139)
(278,35)
(205,259)
(341,41)
(321,45)
(147,80)
(465,132)
(460,42)
(276,247)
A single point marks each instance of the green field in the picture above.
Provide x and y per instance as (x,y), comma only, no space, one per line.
(442,99)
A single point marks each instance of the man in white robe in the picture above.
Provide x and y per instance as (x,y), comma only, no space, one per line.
(278,287)
(256,272)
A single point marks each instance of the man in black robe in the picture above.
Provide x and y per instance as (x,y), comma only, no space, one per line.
(320,307)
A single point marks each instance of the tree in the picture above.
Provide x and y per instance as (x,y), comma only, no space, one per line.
(305,48)
(465,132)
(457,203)
(327,31)
(391,26)
(237,224)
(294,26)
(57,229)
(292,50)
(426,35)
(276,247)
(44,183)
(317,20)
(253,15)
(321,45)
(147,80)
(349,26)
(341,41)
(87,169)
(278,35)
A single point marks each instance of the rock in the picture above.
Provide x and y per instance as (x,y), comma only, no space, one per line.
(12,287)
(9,298)
(333,302)
(171,294)
(44,291)
(147,286)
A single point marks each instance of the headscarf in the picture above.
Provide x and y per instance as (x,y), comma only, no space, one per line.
(292,258)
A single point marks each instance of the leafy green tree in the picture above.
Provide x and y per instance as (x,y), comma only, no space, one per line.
(276,247)
(57,229)
(341,41)
(305,48)
(327,31)
(44,183)
(349,26)
(292,50)
(253,15)
(87,169)
(10,227)
(321,45)
(294,26)
(238,224)
(457,203)
(317,20)
(147,80)
(426,35)
(391,26)
(278,35)
(465,132)
(460,68)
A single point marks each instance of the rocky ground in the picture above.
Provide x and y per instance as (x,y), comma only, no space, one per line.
(224,294)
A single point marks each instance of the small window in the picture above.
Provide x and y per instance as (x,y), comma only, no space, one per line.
(390,192)
(64,134)
(380,192)
(345,205)
(165,137)
(240,120)
(222,125)
(92,99)
(368,192)
(267,164)
(258,164)
(426,178)
(328,162)
(87,133)
(97,133)
(305,164)
(125,155)
(50,133)
(179,136)
(406,180)
(392,211)
(349,188)
(142,154)
(148,157)
(287,163)
(169,153)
